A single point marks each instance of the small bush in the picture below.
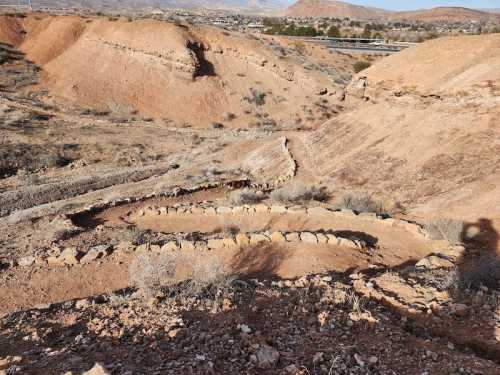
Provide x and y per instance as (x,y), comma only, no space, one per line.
(361,65)
(361,202)
(299,193)
(486,272)
(245,196)
(155,274)
(446,229)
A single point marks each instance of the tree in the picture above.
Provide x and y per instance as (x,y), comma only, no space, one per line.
(334,32)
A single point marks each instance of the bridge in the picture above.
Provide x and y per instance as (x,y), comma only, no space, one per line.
(359,45)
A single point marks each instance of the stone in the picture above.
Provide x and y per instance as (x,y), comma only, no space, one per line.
(170,246)
(69,256)
(278,209)
(332,239)
(293,237)
(318,211)
(196,210)
(98,369)
(163,211)
(201,246)
(142,248)
(372,216)
(26,261)
(224,210)
(215,244)
(308,237)
(95,253)
(239,210)
(210,211)
(322,238)
(82,304)
(277,237)
(372,360)
(242,239)
(258,238)
(434,262)
(390,222)
(55,261)
(346,212)
(291,370)
(266,357)
(261,208)
(244,328)
(344,242)
(187,245)
(229,242)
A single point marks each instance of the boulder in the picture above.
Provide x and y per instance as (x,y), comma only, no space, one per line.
(242,239)
(69,256)
(261,208)
(26,261)
(170,246)
(215,244)
(332,239)
(322,238)
(293,237)
(308,237)
(278,209)
(318,211)
(258,238)
(277,237)
(187,245)
(98,369)
(434,262)
(94,253)
(224,210)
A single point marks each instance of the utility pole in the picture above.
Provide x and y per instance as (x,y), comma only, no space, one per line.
(30,5)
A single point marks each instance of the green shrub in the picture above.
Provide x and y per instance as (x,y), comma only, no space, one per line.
(361,65)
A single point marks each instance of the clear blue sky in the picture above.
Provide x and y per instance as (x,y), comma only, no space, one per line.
(422,4)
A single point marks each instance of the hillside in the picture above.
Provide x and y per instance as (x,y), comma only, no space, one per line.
(449,14)
(330,8)
(185,75)
(430,134)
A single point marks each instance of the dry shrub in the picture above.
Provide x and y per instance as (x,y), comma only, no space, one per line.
(446,229)
(155,274)
(485,272)
(299,193)
(245,196)
(361,202)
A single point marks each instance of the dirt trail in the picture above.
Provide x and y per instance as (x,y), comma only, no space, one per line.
(305,171)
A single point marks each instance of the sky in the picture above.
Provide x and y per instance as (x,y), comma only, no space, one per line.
(421,4)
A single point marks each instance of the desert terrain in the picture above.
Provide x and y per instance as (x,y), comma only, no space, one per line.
(184,199)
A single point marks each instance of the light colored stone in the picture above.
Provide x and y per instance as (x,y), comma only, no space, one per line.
(142,248)
(163,211)
(242,239)
(170,246)
(293,237)
(370,216)
(322,238)
(95,253)
(69,256)
(239,210)
(278,210)
(215,244)
(26,261)
(344,242)
(261,208)
(201,246)
(277,237)
(308,237)
(318,211)
(434,262)
(224,210)
(229,242)
(98,369)
(258,238)
(187,245)
(347,212)
(210,211)
(196,210)
(55,261)
(297,210)
(155,248)
(390,222)
(332,239)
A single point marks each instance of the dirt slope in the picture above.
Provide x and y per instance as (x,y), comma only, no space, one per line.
(330,8)
(425,136)
(186,75)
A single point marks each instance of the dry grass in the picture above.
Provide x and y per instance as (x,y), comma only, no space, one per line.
(299,194)
(245,196)
(361,202)
(157,274)
(446,229)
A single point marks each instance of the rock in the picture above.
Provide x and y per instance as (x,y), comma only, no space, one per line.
(277,237)
(308,237)
(261,208)
(229,242)
(332,239)
(26,261)
(258,238)
(278,210)
(372,360)
(97,370)
(434,262)
(347,212)
(459,309)
(215,244)
(170,246)
(291,370)
(242,239)
(322,91)
(82,304)
(359,360)
(187,245)
(210,211)
(95,253)
(69,256)
(244,328)
(224,210)
(318,211)
(266,357)
(322,238)
(293,237)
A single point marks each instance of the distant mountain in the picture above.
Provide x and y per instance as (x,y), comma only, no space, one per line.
(339,9)
(450,14)
(331,8)
(164,4)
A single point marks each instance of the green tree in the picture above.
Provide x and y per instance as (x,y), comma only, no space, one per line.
(334,32)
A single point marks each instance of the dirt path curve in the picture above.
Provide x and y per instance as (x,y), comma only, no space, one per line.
(305,170)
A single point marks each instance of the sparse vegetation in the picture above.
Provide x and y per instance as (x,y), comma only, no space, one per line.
(483,273)
(299,193)
(245,196)
(361,202)
(446,229)
(359,66)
